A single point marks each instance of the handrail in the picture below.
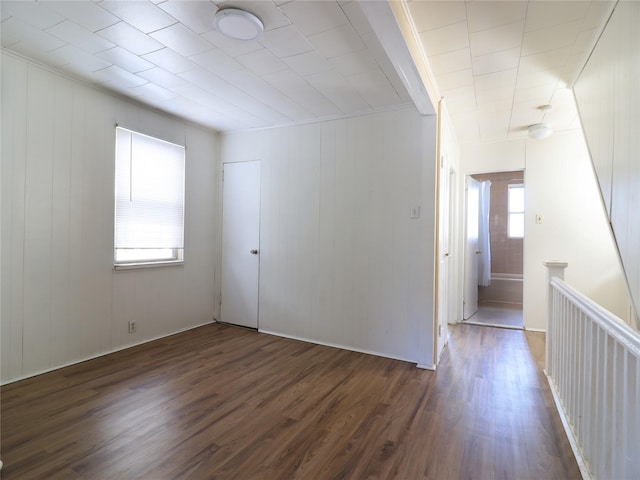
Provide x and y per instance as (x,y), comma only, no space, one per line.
(610,322)
(593,368)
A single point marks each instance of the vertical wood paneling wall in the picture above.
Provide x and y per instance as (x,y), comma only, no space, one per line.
(62,302)
(609,103)
(341,260)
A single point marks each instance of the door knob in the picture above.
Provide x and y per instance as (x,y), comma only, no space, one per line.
(478,252)
(446,254)
(253,252)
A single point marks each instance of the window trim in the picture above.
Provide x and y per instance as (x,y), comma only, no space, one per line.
(514,212)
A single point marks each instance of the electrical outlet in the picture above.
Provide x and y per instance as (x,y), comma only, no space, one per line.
(132,327)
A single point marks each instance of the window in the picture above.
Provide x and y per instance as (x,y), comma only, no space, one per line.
(516,211)
(149,197)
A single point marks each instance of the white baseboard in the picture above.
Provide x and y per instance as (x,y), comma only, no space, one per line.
(582,464)
(424,366)
(336,345)
(102,354)
(539,330)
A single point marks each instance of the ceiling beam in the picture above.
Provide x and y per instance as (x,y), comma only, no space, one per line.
(395,31)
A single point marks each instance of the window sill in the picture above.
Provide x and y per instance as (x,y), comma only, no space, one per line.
(137,266)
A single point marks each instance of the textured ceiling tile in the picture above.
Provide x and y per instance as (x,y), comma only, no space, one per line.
(537,79)
(550,60)
(487,15)
(337,89)
(182,40)
(375,89)
(261,62)
(496,39)
(308,63)
(88,14)
(206,80)
(296,88)
(15,31)
(216,61)
(496,62)
(583,42)
(153,92)
(161,77)
(450,62)
(81,61)
(31,13)
(270,15)
(338,41)
(285,42)
(170,60)
(125,59)
(267,94)
(80,37)
(130,38)
(445,39)
(460,96)
(453,80)
(314,17)
(525,115)
(547,14)
(428,15)
(598,11)
(550,38)
(504,79)
(194,14)
(115,75)
(231,46)
(540,95)
(494,95)
(355,63)
(144,16)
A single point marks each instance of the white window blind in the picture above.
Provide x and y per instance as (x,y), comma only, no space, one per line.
(149,209)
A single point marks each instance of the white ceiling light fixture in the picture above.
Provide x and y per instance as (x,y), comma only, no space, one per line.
(539,131)
(238,24)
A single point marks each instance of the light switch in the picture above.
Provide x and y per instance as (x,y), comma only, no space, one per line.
(539,218)
(415,212)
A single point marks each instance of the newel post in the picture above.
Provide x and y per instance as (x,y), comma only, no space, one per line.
(554,269)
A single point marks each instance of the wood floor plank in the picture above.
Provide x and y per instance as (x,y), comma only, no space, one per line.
(220,402)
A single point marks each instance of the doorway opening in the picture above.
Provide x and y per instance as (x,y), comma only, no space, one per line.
(493,291)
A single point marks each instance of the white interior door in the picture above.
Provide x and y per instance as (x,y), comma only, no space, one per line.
(471,249)
(443,257)
(240,243)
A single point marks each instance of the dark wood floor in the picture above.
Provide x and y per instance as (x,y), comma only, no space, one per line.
(220,402)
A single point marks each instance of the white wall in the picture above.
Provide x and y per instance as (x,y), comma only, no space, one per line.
(62,302)
(609,102)
(341,260)
(560,184)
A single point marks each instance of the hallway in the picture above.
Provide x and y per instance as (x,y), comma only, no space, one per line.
(498,314)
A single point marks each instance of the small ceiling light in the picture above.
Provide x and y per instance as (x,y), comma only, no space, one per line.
(238,24)
(539,131)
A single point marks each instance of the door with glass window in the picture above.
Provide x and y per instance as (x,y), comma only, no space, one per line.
(240,243)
